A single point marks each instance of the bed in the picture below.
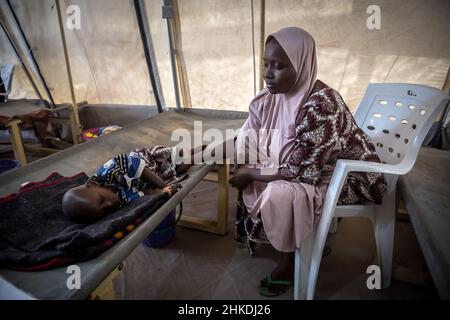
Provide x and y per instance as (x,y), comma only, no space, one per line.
(85,157)
(35,114)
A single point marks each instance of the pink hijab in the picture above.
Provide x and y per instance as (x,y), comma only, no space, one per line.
(278,111)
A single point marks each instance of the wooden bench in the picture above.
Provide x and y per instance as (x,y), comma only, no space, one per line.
(426,194)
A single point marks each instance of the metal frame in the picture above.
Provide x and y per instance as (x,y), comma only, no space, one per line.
(144,30)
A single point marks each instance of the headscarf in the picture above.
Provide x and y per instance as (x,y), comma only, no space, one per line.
(279,111)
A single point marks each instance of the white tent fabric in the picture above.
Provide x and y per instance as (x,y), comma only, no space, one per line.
(109,67)
(21,87)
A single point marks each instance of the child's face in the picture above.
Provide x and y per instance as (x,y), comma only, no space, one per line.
(102,200)
(89,203)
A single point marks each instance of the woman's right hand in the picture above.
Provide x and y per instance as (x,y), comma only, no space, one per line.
(243,177)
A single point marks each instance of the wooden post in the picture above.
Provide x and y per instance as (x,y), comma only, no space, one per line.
(105,291)
(16,141)
(262,40)
(179,58)
(222,198)
(75,120)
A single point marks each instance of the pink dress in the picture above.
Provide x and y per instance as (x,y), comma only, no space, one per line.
(284,213)
(300,134)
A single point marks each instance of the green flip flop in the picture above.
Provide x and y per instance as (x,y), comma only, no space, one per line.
(268,290)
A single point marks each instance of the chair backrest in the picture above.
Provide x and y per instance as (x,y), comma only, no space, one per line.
(397,117)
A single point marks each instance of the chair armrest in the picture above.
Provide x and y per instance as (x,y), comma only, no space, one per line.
(367,166)
(343,167)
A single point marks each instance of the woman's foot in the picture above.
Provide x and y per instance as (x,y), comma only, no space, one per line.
(280,279)
(285,268)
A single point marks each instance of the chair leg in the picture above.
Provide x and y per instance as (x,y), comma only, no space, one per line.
(333,226)
(384,236)
(319,240)
(302,265)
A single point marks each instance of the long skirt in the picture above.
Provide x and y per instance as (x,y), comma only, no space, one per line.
(281,213)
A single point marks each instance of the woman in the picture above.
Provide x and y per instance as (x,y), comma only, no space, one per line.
(305,127)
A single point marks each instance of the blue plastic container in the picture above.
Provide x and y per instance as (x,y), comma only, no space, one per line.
(163,233)
(6,165)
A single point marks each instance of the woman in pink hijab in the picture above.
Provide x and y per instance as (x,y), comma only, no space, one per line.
(296,130)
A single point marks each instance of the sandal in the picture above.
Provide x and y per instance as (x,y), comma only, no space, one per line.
(273,288)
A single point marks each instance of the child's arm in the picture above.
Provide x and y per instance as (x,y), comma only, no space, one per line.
(152,179)
(184,167)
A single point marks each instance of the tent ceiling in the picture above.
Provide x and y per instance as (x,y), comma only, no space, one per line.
(109,67)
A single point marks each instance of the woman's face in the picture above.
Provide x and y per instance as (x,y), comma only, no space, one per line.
(279,74)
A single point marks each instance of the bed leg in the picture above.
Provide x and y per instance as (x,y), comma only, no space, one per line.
(222,201)
(219,225)
(105,291)
(16,141)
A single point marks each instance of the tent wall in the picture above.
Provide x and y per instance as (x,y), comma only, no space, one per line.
(21,86)
(413,45)
(106,54)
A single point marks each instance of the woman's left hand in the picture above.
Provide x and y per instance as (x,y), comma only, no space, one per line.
(243,177)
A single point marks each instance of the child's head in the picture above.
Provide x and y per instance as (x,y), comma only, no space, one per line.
(88,203)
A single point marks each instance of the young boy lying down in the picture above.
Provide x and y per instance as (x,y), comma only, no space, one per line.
(123,179)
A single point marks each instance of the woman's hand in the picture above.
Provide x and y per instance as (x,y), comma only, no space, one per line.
(243,177)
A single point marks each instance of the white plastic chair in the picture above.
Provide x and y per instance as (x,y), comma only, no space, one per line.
(397,118)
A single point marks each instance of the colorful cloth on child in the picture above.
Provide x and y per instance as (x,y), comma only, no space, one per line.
(158,159)
(124,173)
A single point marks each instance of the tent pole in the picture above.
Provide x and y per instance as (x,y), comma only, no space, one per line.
(180,64)
(75,120)
(261,44)
(144,30)
(168,15)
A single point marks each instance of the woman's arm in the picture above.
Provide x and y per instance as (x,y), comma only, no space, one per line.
(244,176)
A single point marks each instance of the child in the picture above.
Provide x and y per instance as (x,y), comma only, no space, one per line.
(123,179)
